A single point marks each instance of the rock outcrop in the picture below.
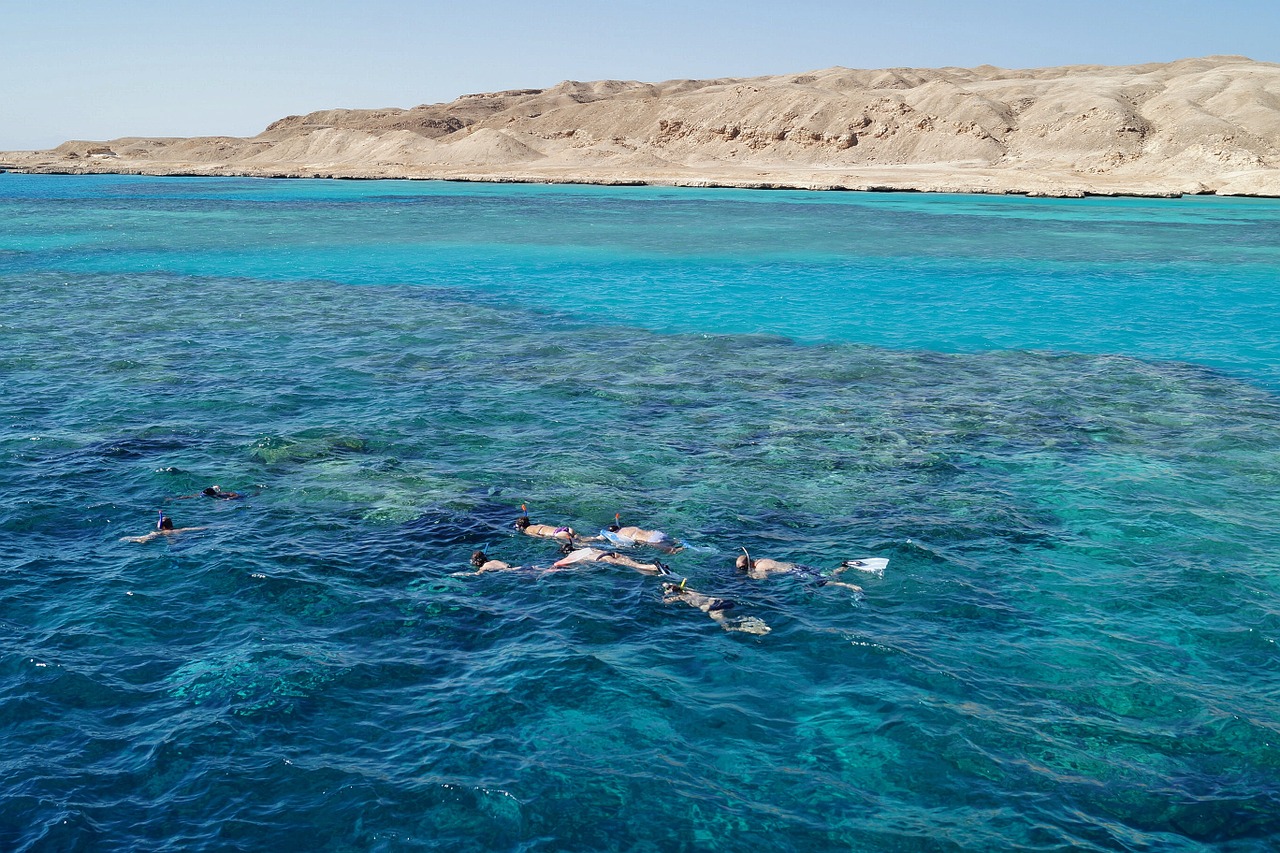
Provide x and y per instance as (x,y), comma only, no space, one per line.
(1193,126)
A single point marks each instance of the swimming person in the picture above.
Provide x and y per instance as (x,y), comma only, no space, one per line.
(482,563)
(217,492)
(761,569)
(716,608)
(543,531)
(595,555)
(164,527)
(619,535)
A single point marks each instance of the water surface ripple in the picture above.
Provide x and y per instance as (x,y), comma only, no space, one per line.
(1057,420)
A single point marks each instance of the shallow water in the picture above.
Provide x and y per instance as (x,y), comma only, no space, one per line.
(1056,418)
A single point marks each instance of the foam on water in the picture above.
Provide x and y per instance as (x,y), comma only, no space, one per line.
(1057,420)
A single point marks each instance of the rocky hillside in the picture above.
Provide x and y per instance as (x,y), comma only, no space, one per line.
(1197,125)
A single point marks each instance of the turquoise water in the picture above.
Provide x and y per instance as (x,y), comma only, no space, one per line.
(1057,419)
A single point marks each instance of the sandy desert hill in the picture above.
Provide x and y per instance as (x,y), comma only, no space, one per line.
(1193,126)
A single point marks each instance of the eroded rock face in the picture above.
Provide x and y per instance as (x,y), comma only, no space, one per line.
(1195,125)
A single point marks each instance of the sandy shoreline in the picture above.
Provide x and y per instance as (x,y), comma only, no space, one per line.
(1197,126)
(904,179)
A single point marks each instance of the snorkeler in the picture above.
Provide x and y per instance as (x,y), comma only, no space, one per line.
(164,527)
(595,555)
(761,569)
(716,608)
(619,535)
(480,560)
(216,492)
(543,531)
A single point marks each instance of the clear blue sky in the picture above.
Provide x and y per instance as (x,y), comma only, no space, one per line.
(92,69)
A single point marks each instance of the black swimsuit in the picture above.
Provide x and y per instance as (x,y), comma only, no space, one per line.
(809,573)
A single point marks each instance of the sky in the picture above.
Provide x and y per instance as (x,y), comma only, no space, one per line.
(91,69)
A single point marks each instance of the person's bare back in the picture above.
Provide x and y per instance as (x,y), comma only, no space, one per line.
(631,535)
(543,531)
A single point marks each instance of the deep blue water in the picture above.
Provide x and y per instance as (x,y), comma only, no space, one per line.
(1058,420)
